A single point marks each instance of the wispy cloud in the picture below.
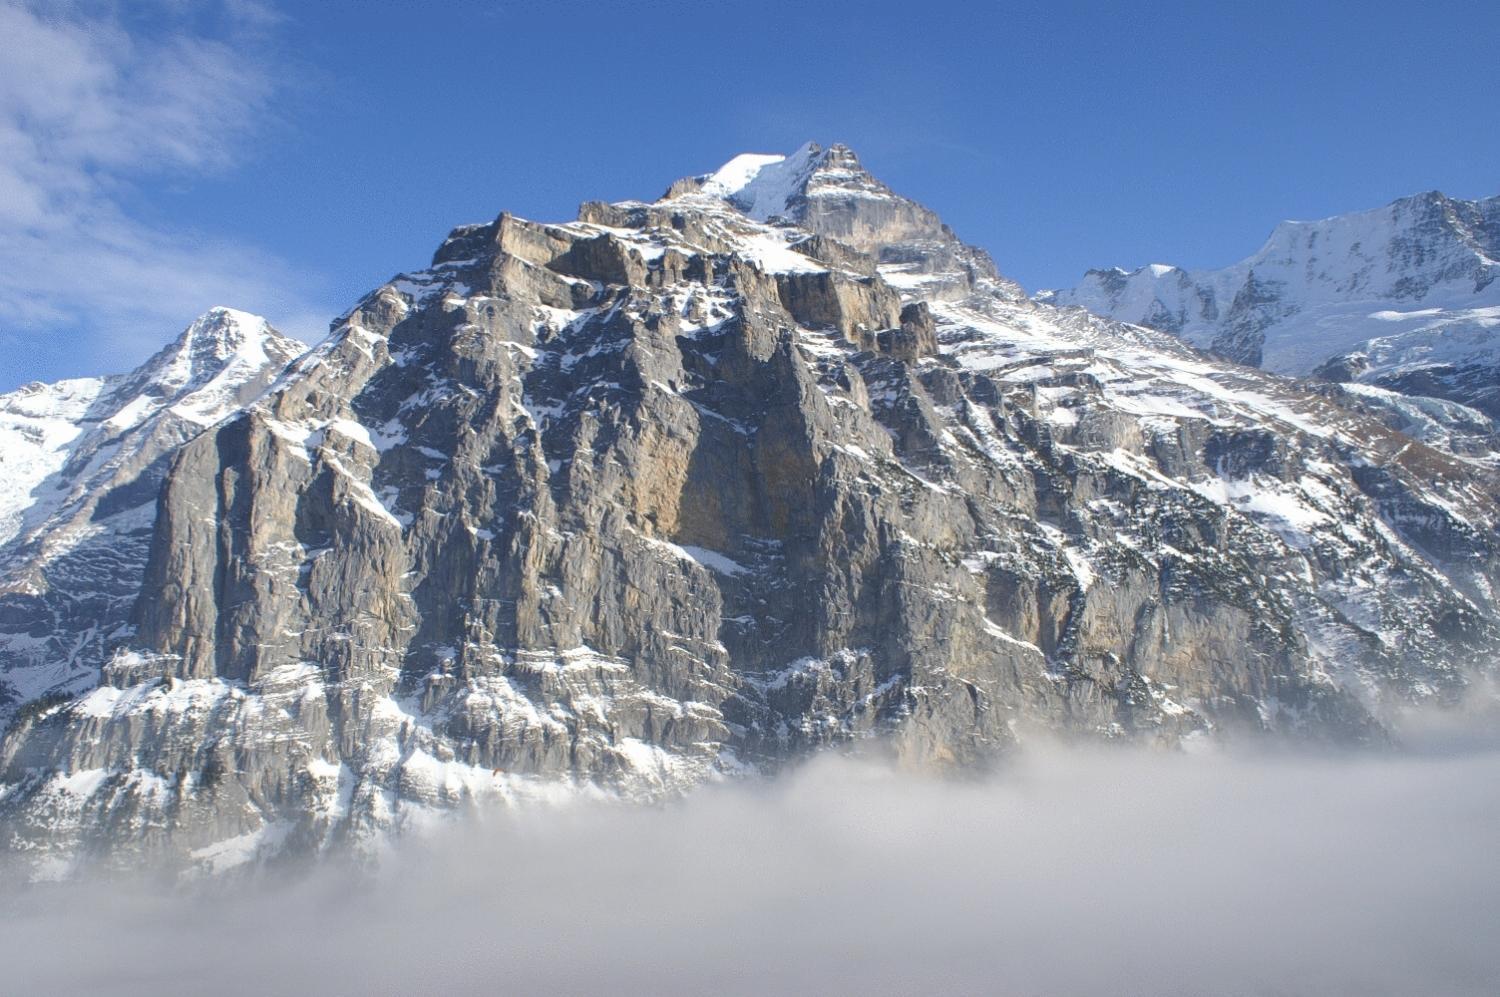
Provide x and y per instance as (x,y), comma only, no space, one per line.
(97,100)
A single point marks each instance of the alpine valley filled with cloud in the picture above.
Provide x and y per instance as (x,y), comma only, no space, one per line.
(742,586)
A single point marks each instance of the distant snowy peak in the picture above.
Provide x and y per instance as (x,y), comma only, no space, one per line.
(1405,251)
(1408,285)
(83,462)
(202,374)
(50,434)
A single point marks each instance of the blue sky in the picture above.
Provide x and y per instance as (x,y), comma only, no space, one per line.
(159,156)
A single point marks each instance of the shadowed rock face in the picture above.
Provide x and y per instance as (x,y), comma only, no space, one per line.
(695,487)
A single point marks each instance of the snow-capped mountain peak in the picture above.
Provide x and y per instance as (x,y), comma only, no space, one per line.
(690,488)
(824,190)
(1405,293)
(83,460)
(200,374)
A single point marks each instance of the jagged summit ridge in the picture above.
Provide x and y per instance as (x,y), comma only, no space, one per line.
(672,492)
(1402,297)
(1406,250)
(210,370)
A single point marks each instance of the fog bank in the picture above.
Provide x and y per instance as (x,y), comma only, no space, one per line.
(1073,872)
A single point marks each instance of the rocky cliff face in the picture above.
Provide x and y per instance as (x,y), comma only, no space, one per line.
(691,488)
(1402,298)
(83,462)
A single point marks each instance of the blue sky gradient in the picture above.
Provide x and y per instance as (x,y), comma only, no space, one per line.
(338,141)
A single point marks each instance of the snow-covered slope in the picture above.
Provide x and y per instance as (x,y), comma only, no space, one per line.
(1403,297)
(80,465)
(762,185)
(38,425)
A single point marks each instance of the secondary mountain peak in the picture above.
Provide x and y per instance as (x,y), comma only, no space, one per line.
(84,460)
(1403,294)
(211,368)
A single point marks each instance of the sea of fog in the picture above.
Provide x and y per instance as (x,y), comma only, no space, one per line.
(1111,871)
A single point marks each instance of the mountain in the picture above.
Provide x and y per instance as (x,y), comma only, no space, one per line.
(1403,298)
(688,489)
(83,461)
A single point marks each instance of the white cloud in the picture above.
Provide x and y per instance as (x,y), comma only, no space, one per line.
(1073,872)
(91,105)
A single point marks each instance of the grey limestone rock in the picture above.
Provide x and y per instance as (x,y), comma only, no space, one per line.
(689,489)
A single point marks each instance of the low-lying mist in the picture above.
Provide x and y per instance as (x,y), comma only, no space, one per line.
(1074,871)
